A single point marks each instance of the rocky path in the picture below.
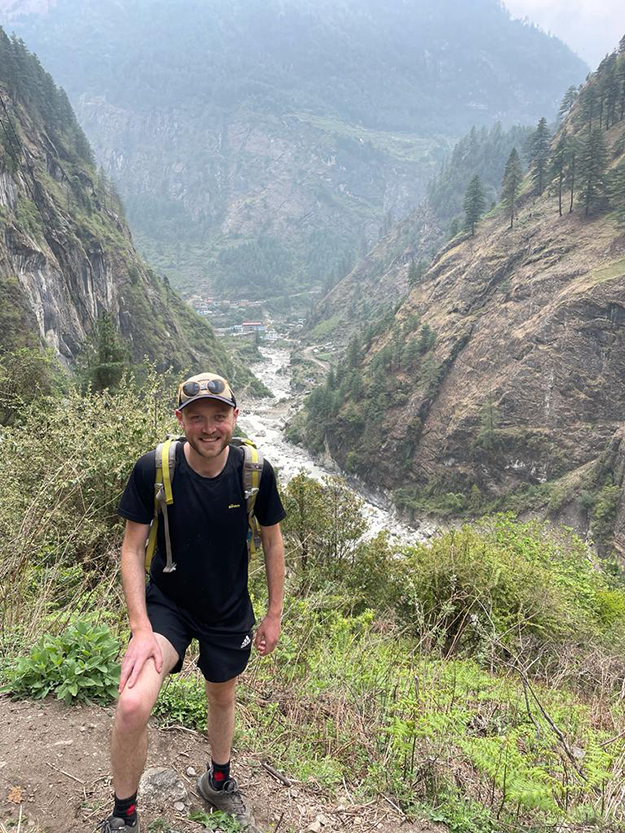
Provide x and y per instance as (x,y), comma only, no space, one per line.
(54,777)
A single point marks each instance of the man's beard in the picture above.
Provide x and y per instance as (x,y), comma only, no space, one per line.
(215,451)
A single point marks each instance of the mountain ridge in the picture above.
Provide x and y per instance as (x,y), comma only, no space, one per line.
(280,164)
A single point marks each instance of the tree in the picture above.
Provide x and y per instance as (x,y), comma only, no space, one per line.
(573,154)
(539,155)
(104,357)
(592,168)
(489,421)
(304,503)
(569,99)
(558,164)
(415,273)
(617,192)
(511,185)
(612,89)
(588,106)
(474,204)
(26,375)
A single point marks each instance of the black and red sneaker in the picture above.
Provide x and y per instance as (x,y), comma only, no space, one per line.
(113,824)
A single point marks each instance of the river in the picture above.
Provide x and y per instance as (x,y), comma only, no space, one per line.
(264,421)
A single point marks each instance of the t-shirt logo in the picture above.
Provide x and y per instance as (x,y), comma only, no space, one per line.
(234,506)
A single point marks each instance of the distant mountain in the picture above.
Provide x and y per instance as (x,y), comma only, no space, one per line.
(261,144)
(66,255)
(500,379)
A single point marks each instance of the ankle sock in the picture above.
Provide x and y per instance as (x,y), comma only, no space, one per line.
(219,774)
(126,809)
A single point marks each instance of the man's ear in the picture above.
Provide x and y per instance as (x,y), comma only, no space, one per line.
(179,418)
(236,414)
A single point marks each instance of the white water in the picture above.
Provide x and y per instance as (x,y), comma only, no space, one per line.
(264,420)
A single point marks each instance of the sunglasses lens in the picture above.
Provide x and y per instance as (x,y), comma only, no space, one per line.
(191,388)
(216,386)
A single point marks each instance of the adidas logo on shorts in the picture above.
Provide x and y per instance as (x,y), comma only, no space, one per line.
(246,642)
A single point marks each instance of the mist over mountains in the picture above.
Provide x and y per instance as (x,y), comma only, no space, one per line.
(260,146)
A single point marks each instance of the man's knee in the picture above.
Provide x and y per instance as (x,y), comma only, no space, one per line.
(132,712)
(221,695)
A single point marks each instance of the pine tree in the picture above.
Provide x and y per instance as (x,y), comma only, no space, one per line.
(617,192)
(621,77)
(570,96)
(588,106)
(558,165)
(539,155)
(474,203)
(511,185)
(104,357)
(592,170)
(571,169)
(612,89)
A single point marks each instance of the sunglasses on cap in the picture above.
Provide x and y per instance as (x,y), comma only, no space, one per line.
(209,387)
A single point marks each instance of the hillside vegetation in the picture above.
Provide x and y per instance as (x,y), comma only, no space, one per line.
(474,680)
(499,380)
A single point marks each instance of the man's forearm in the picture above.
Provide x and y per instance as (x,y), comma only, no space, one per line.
(274,567)
(133,582)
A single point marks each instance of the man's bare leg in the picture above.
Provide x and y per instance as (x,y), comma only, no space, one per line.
(221,718)
(129,741)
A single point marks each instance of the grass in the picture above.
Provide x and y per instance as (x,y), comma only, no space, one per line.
(406,147)
(613,270)
(324,328)
(346,698)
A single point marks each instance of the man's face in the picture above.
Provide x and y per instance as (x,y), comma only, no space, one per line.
(208,426)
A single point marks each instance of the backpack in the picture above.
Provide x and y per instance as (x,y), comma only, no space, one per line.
(165,458)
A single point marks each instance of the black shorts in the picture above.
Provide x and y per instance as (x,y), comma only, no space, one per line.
(223,654)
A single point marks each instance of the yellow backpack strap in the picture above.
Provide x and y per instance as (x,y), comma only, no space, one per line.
(252,473)
(165,464)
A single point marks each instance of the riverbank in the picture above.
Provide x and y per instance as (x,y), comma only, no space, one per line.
(265,420)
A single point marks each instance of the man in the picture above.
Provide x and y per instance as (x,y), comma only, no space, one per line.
(204,597)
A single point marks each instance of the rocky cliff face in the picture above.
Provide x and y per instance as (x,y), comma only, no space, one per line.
(66,254)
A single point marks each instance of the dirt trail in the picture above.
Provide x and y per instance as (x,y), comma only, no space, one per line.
(54,770)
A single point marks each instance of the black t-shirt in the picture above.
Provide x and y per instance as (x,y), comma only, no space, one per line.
(208,530)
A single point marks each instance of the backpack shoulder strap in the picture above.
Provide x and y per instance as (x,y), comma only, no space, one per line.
(165,467)
(252,472)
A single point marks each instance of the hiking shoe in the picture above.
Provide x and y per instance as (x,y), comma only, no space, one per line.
(113,824)
(229,800)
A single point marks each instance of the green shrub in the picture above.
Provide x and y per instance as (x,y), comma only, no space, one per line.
(182,701)
(65,466)
(218,821)
(502,583)
(78,665)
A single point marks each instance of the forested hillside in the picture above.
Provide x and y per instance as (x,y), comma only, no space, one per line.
(500,381)
(68,264)
(263,144)
(398,262)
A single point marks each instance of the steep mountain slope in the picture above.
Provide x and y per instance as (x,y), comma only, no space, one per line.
(383,277)
(66,255)
(503,372)
(260,144)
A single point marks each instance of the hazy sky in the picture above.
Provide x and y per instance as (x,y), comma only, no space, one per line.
(590,27)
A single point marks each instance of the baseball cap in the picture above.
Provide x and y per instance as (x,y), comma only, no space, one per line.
(205,386)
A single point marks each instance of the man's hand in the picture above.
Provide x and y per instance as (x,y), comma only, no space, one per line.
(267,634)
(142,647)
